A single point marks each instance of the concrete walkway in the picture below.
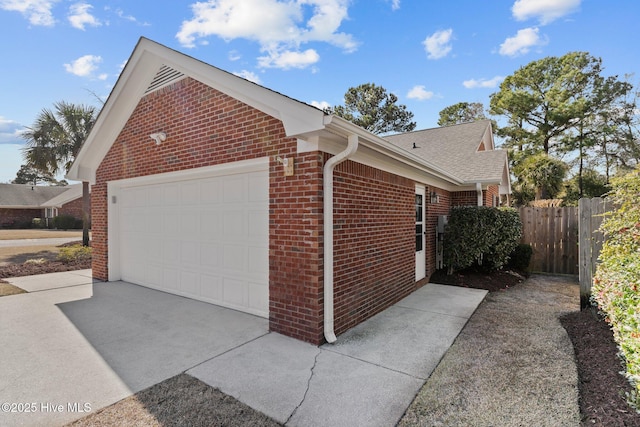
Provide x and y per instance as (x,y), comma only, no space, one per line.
(98,343)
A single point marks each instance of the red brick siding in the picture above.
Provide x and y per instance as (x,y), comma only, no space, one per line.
(470,198)
(374,242)
(464,198)
(490,194)
(19,217)
(433,211)
(73,208)
(205,127)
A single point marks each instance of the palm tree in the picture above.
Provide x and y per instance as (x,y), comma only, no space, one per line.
(53,142)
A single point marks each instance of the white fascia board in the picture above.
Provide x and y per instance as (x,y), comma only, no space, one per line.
(406,164)
(125,96)
(298,118)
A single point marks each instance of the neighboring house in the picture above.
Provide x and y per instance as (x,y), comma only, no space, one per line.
(21,203)
(212,187)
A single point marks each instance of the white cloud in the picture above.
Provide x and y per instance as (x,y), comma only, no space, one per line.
(280,27)
(545,10)
(80,15)
(522,42)
(249,75)
(395,4)
(10,131)
(323,105)
(438,44)
(234,55)
(419,93)
(38,12)
(289,59)
(85,66)
(483,83)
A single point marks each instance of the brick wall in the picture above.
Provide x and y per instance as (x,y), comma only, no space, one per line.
(464,198)
(73,208)
(374,242)
(490,194)
(19,217)
(205,127)
(433,211)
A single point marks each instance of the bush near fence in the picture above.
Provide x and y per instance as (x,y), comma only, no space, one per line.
(482,236)
(616,287)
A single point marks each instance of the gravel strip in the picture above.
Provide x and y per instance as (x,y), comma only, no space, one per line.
(512,365)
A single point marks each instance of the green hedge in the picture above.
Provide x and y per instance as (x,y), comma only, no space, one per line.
(479,235)
(616,288)
(67,222)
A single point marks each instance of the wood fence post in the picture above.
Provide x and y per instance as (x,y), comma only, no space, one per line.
(584,248)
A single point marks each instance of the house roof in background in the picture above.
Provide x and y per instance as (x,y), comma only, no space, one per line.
(456,149)
(31,196)
(73,192)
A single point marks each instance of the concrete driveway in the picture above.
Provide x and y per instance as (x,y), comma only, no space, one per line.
(98,343)
(85,346)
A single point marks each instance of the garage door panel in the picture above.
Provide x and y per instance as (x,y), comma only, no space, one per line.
(171,194)
(211,287)
(234,258)
(189,224)
(211,191)
(211,255)
(171,223)
(234,224)
(202,238)
(258,297)
(190,193)
(190,253)
(234,188)
(190,283)
(258,261)
(234,292)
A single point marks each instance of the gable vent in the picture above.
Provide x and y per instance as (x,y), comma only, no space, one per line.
(165,76)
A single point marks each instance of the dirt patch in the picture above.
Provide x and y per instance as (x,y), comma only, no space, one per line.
(494,281)
(8,289)
(178,401)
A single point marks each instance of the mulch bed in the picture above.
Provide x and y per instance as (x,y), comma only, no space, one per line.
(602,388)
(30,269)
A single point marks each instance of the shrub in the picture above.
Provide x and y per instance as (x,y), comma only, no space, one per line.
(616,288)
(520,258)
(478,235)
(74,253)
(66,222)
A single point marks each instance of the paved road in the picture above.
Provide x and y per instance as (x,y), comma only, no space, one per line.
(37,242)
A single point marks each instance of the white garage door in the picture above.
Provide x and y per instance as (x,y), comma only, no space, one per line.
(205,238)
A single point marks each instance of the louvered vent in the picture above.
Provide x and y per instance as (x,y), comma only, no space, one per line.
(166,75)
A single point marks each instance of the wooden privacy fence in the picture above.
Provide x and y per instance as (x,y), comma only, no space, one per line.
(566,240)
(553,235)
(590,240)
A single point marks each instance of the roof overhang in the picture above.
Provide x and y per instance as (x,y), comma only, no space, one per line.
(147,59)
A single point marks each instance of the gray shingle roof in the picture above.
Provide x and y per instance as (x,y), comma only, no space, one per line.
(27,196)
(455,149)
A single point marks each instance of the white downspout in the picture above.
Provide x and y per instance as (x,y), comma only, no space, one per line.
(352,146)
(479,192)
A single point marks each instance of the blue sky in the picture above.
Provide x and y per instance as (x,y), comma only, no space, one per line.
(431,54)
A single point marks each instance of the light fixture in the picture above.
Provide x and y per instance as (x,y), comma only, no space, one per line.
(435,197)
(158,137)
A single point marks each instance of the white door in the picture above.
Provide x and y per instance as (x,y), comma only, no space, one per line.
(205,238)
(420,233)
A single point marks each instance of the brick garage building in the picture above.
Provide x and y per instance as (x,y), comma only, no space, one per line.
(212,187)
